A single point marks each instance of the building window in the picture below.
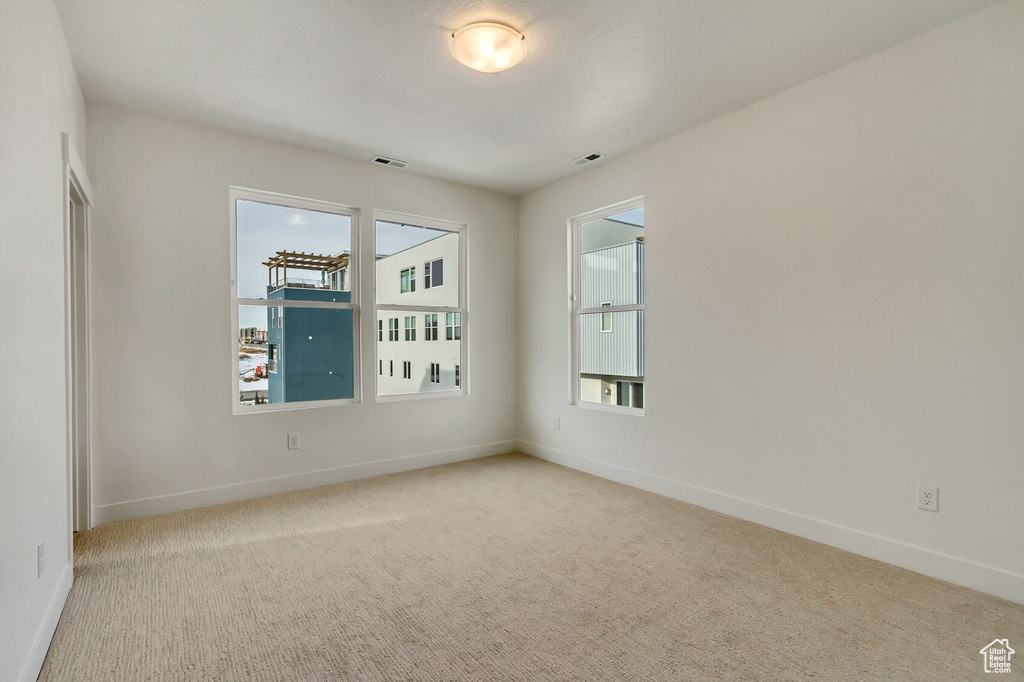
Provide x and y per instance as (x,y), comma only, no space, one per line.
(393,329)
(380,330)
(453,326)
(430,327)
(458,375)
(380,367)
(295,255)
(433,273)
(439,304)
(607,319)
(391,368)
(408,280)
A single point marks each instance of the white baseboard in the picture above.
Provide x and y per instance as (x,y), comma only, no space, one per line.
(958,571)
(164,504)
(44,636)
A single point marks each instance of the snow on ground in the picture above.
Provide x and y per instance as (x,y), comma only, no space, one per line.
(247,370)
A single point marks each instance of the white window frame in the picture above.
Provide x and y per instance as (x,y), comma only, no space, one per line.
(412,275)
(455,325)
(430,326)
(463,308)
(302,203)
(428,273)
(576,313)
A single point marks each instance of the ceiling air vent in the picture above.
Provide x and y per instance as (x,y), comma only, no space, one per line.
(385,161)
(593,156)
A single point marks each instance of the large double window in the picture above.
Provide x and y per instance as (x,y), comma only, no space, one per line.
(608,308)
(432,362)
(293,301)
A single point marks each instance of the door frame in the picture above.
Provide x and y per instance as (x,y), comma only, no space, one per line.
(77,190)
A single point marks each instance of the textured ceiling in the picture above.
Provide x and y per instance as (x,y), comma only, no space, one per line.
(365,77)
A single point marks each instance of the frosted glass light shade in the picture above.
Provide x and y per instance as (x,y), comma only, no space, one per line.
(488,47)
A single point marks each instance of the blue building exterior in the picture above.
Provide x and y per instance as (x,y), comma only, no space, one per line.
(309,349)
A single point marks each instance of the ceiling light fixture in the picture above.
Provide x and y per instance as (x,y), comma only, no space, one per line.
(488,47)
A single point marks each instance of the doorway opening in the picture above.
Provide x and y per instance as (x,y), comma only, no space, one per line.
(77,198)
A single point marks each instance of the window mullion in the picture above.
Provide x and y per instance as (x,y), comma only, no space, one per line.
(610,309)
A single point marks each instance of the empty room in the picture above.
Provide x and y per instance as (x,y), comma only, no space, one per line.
(328,352)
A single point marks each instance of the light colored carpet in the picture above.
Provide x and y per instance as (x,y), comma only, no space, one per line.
(506,568)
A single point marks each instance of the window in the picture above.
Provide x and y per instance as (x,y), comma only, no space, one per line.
(438,304)
(433,273)
(453,326)
(408,280)
(393,329)
(380,366)
(391,368)
(291,274)
(458,375)
(608,308)
(380,330)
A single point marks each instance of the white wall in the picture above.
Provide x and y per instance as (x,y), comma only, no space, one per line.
(162,330)
(834,309)
(39,99)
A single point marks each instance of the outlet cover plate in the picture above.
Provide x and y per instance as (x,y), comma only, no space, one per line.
(293,441)
(927,498)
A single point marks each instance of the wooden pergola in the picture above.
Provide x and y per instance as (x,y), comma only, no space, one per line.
(277,265)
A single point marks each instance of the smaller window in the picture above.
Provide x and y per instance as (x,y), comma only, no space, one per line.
(407,370)
(272,357)
(408,280)
(430,327)
(391,368)
(458,376)
(380,330)
(606,318)
(381,367)
(410,328)
(453,326)
(435,373)
(392,329)
(433,273)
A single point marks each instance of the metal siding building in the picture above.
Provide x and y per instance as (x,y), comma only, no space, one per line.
(612,276)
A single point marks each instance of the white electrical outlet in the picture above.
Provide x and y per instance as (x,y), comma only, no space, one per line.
(927,498)
(293,441)
(39,560)
(558,423)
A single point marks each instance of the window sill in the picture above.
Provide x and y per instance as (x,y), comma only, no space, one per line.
(401,397)
(285,407)
(616,409)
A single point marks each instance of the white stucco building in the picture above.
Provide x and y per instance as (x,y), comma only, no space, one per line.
(419,351)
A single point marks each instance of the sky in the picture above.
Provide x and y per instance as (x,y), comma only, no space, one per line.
(265,229)
(634,217)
